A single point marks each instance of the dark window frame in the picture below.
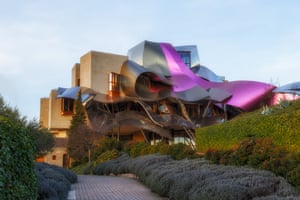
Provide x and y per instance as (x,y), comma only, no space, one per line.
(186,57)
(67,106)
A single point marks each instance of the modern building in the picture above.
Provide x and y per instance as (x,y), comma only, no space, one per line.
(156,92)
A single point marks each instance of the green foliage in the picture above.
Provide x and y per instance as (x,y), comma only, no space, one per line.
(81,137)
(54,182)
(110,148)
(79,169)
(107,155)
(180,151)
(261,153)
(79,118)
(81,142)
(176,151)
(139,148)
(135,149)
(43,139)
(293,176)
(198,179)
(11,113)
(282,125)
(107,144)
(17,177)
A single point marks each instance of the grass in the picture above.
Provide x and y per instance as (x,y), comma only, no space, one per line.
(281,123)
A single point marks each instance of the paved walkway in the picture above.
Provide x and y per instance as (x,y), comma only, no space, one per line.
(110,188)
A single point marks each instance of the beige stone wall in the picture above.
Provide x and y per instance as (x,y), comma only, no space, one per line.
(56,120)
(56,156)
(85,70)
(59,133)
(44,112)
(93,73)
(95,67)
(75,75)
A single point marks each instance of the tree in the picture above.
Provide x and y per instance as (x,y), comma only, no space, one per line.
(81,137)
(81,143)
(43,139)
(11,113)
(79,118)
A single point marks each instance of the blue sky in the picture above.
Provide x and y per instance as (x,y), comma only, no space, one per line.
(40,41)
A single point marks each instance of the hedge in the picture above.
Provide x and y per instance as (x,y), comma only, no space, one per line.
(54,182)
(17,177)
(198,179)
(281,124)
(261,153)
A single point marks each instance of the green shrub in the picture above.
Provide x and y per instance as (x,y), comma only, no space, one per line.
(176,151)
(107,144)
(214,155)
(107,155)
(138,149)
(293,176)
(88,168)
(17,177)
(80,169)
(180,151)
(260,153)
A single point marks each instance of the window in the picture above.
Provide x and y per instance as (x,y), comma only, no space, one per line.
(186,57)
(67,106)
(53,157)
(113,82)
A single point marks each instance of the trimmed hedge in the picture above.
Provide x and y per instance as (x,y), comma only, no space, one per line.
(198,179)
(281,124)
(54,182)
(17,177)
(261,153)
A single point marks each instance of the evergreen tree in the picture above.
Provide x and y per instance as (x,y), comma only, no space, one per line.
(79,117)
(81,137)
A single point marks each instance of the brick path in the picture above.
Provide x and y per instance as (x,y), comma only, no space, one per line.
(110,188)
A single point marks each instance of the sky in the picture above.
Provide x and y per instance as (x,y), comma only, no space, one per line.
(41,40)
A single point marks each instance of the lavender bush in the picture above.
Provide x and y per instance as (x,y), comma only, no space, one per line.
(198,179)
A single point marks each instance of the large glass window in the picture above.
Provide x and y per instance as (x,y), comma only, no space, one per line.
(186,57)
(67,106)
(113,82)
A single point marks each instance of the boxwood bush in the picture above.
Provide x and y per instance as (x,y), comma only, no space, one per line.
(17,177)
(198,179)
(54,182)
(281,124)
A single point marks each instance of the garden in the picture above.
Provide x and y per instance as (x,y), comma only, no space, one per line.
(255,156)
